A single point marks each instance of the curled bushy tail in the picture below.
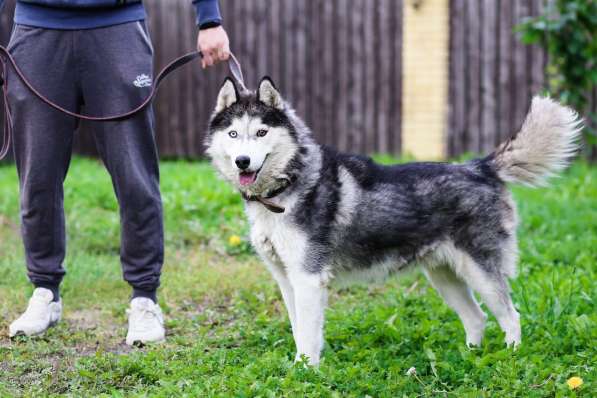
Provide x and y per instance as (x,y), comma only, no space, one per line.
(544,146)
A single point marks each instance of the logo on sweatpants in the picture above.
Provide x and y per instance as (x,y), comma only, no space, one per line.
(142,81)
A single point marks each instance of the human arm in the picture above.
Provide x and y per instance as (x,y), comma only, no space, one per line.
(212,39)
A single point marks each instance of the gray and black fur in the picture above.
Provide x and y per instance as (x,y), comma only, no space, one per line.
(346,216)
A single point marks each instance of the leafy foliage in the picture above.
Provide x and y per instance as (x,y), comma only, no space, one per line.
(568,31)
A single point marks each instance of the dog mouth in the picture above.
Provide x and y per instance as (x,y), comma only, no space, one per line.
(246,178)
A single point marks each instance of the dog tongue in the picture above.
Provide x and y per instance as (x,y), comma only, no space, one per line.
(246,178)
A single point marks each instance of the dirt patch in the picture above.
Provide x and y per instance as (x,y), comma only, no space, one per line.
(84,320)
(98,331)
(7,222)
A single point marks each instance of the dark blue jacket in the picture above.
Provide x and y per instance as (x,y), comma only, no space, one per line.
(88,14)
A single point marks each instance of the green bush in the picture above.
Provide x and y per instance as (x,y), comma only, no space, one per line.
(567,30)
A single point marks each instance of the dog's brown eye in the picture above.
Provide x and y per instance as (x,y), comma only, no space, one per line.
(233,134)
(261,133)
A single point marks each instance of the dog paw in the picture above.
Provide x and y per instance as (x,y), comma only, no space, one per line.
(306,361)
(513,343)
(473,345)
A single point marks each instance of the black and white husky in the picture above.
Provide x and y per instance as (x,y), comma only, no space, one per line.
(318,215)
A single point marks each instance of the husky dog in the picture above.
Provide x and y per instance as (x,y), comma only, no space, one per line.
(318,215)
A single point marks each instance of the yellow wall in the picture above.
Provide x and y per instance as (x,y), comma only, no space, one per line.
(425,78)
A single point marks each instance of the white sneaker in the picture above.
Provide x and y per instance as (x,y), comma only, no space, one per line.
(146,322)
(41,313)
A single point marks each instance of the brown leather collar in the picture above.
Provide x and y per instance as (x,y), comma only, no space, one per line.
(268,204)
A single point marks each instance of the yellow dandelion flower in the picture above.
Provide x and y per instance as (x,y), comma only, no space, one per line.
(574,382)
(234,240)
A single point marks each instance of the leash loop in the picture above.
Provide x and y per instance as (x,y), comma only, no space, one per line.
(236,71)
(7,60)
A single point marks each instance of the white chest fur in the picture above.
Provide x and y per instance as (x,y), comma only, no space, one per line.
(275,237)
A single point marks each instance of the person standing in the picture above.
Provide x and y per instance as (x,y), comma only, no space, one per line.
(95,54)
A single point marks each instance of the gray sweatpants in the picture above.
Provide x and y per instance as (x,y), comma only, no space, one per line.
(100,72)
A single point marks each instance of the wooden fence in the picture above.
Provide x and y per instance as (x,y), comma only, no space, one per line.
(337,61)
(492,75)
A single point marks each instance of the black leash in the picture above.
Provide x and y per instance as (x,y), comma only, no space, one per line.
(7,60)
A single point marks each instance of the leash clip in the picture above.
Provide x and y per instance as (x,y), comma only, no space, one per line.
(237,72)
(234,68)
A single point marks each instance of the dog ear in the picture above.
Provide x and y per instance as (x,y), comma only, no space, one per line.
(227,96)
(268,94)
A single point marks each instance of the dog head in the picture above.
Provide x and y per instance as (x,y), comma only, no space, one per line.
(252,138)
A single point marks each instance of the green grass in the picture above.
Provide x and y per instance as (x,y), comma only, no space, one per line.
(228,333)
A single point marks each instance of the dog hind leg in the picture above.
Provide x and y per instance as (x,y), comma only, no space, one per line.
(496,295)
(494,291)
(459,297)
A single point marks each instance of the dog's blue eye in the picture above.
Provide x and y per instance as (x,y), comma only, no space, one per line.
(233,134)
(261,133)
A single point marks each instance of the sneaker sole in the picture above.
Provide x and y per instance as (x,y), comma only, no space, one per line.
(21,333)
(18,334)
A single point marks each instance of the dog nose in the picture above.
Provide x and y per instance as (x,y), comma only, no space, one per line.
(243,162)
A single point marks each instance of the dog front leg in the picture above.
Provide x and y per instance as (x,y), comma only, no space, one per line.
(310,298)
(287,294)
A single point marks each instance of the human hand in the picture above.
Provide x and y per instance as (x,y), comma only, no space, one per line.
(214,45)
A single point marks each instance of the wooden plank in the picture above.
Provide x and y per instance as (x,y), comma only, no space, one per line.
(357,77)
(302,57)
(259,18)
(342,50)
(273,31)
(308,60)
(370,53)
(396,76)
(474,88)
(489,76)
(161,102)
(282,48)
(394,117)
(174,96)
(192,131)
(504,128)
(181,82)
(329,77)
(537,55)
(382,77)
(520,79)
(286,49)
(375,43)
(457,95)
(168,48)
(315,66)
